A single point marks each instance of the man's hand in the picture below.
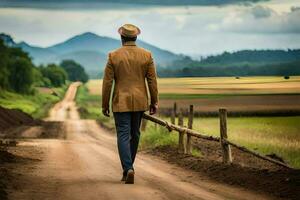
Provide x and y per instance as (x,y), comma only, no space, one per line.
(105,112)
(153,109)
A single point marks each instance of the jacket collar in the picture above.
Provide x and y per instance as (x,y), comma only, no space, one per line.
(129,43)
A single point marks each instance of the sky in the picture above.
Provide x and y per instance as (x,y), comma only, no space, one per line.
(191,30)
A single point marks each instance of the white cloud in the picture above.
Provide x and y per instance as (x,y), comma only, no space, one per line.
(189,30)
(261,12)
(260,19)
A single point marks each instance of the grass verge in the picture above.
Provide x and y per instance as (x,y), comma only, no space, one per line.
(36,105)
(266,135)
(89,107)
(157,136)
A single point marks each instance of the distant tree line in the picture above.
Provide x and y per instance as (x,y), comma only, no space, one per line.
(241,63)
(53,75)
(19,74)
(279,69)
(252,57)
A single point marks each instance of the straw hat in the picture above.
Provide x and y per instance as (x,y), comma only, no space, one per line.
(129,30)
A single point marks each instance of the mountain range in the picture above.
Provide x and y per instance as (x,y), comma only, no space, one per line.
(88,49)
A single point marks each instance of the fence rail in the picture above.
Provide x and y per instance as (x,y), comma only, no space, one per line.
(184,145)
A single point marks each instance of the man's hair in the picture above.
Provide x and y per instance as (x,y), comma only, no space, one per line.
(127,39)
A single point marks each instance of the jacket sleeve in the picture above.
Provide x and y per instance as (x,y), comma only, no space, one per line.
(152,82)
(107,83)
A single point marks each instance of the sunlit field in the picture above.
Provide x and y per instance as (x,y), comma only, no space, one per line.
(219,86)
(266,135)
(253,94)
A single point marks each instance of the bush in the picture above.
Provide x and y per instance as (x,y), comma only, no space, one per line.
(55,74)
(21,76)
(74,70)
(17,72)
(16,69)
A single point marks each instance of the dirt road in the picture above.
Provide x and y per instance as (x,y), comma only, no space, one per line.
(86,166)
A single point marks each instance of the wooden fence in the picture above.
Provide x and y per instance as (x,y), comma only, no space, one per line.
(186,133)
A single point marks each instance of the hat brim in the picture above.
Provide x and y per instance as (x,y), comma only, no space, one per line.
(123,33)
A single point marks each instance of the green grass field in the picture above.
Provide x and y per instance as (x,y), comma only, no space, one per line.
(36,105)
(266,135)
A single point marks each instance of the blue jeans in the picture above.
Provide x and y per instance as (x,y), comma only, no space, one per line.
(128,135)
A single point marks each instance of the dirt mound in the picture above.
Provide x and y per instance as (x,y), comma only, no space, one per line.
(5,156)
(12,156)
(12,118)
(4,176)
(263,177)
(212,151)
(52,129)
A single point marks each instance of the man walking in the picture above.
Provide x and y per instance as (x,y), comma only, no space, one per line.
(129,67)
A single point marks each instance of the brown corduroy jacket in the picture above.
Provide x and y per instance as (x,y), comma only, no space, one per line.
(129,66)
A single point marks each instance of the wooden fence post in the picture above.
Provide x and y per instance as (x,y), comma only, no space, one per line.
(227,158)
(175,109)
(172,117)
(181,146)
(190,126)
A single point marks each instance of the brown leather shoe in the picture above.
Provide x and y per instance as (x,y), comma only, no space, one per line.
(130,177)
